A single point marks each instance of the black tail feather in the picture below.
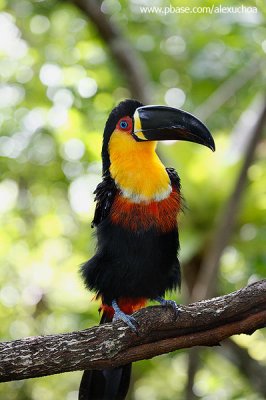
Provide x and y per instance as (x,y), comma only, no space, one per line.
(107,384)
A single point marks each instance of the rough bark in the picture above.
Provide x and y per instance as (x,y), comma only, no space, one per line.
(205,323)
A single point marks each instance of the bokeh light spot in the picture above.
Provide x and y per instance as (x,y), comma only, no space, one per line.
(73,150)
(51,75)
(175,97)
(39,24)
(8,195)
(87,87)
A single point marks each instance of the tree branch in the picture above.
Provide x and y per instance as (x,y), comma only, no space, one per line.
(253,370)
(205,323)
(206,280)
(229,88)
(201,280)
(127,59)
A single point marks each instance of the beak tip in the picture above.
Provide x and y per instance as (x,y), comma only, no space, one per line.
(210,142)
(212,146)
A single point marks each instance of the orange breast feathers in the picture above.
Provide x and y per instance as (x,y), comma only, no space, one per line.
(161,215)
(126,304)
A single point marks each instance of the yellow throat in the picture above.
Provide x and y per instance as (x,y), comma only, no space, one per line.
(136,169)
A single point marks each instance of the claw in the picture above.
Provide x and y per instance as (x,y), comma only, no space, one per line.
(169,303)
(121,316)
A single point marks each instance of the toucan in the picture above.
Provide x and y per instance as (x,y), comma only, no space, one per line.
(137,204)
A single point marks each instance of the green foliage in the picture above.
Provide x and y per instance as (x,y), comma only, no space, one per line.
(58,84)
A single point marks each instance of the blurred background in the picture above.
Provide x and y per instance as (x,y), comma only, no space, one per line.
(63,66)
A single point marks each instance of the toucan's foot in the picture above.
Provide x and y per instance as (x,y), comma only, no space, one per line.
(169,303)
(121,316)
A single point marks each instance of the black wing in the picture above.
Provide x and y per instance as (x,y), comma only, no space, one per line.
(104,196)
(174,178)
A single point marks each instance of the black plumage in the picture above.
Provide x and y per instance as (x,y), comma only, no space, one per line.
(129,263)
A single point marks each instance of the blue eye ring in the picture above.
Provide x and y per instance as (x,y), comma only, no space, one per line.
(123,124)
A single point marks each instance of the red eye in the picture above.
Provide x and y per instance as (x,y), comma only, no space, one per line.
(124,124)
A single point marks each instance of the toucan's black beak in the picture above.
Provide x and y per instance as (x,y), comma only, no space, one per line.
(167,123)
